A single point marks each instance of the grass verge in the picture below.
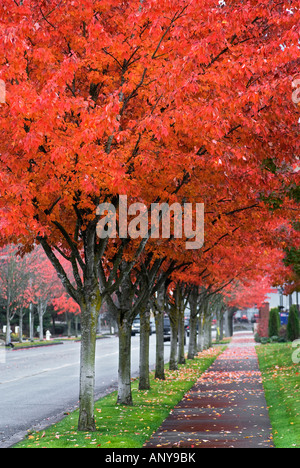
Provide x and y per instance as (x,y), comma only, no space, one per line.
(282,389)
(36,344)
(126,427)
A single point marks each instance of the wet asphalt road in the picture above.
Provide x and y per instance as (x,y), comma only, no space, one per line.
(38,385)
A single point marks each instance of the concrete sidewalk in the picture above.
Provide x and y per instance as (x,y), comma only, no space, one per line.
(225,409)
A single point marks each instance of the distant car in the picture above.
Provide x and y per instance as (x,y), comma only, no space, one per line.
(136,327)
(152,326)
(244,319)
(167,329)
(255,318)
(188,328)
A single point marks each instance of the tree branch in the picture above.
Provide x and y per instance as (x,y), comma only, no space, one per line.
(59,269)
(71,244)
(45,18)
(133,93)
(175,18)
(112,56)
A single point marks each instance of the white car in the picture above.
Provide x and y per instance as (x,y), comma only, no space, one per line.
(136,327)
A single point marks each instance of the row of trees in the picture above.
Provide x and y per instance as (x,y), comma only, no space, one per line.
(171,101)
(30,283)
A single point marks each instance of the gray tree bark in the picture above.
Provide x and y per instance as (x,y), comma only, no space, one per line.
(160,305)
(193,324)
(21,315)
(181,333)
(31,322)
(173,314)
(144,382)
(89,318)
(160,348)
(124,373)
(42,307)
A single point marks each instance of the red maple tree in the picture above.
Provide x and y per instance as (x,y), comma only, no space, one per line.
(162,101)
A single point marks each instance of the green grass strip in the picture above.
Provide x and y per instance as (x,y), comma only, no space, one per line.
(126,427)
(36,344)
(281,380)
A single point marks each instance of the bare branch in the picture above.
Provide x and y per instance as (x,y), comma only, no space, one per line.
(45,18)
(59,269)
(112,56)
(72,245)
(177,16)
(133,93)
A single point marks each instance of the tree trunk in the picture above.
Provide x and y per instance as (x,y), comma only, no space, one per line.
(69,324)
(7,338)
(89,298)
(193,300)
(221,324)
(144,382)
(181,336)
(230,314)
(89,317)
(209,331)
(76,325)
(53,325)
(160,347)
(174,337)
(21,315)
(124,383)
(218,332)
(200,333)
(41,321)
(193,336)
(207,328)
(31,322)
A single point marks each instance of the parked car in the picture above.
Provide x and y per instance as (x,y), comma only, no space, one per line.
(167,329)
(188,328)
(255,318)
(136,327)
(244,319)
(152,326)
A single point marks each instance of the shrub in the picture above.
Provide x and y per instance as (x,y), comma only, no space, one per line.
(274,322)
(14,337)
(282,339)
(257,338)
(265,340)
(293,324)
(283,333)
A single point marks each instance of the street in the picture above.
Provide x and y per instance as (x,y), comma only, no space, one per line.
(37,386)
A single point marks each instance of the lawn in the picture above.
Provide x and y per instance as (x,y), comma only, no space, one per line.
(36,344)
(281,379)
(126,427)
